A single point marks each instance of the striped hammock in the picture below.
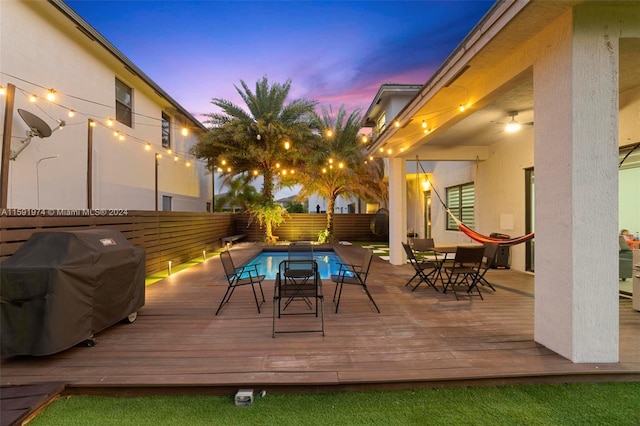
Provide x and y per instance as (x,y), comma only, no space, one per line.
(484,239)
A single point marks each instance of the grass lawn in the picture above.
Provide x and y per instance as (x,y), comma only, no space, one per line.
(575,404)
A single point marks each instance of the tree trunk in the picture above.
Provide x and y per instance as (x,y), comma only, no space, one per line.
(267,187)
(267,199)
(331,202)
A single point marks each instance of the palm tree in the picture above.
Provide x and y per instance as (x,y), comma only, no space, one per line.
(336,165)
(257,141)
(241,194)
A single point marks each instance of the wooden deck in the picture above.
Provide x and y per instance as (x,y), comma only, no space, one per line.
(421,338)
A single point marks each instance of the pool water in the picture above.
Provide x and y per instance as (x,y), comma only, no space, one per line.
(268,262)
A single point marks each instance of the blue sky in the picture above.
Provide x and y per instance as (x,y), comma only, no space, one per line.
(334,52)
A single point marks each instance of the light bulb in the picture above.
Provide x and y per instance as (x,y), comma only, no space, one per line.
(365,139)
(329,133)
(32,98)
(287,145)
(461,107)
(184,131)
(169,151)
(109,122)
(71,113)
(51,95)
(424,124)
(175,158)
(147,146)
(397,123)
(188,164)
(3,90)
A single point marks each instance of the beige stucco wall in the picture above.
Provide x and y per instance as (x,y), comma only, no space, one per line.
(50,56)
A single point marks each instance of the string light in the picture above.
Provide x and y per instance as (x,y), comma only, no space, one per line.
(32,98)
(461,107)
(169,151)
(3,90)
(287,145)
(175,158)
(397,123)
(329,133)
(71,113)
(147,147)
(424,124)
(109,122)
(255,173)
(188,164)
(184,131)
(51,95)
(365,139)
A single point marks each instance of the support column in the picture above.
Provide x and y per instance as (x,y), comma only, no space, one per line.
(397,210)
(576,199)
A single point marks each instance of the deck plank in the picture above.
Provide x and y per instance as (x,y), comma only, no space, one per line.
(421,338)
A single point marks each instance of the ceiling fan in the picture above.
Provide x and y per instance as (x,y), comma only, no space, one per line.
(513,125)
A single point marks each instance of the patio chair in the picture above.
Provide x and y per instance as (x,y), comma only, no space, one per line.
(353,275)
(421,268)
(490,252)
(465,270)
(290,287)
(238,277)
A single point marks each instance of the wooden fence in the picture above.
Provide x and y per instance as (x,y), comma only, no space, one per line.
(178,236)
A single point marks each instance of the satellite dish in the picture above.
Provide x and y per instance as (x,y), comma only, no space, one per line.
(37,125)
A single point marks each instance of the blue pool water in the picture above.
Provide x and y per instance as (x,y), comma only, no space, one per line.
(268,262)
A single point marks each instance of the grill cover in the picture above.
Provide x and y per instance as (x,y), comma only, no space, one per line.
(60,288)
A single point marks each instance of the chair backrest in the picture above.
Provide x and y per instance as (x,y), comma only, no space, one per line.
(227,263)
(470,257)
(409,251)
(366,262)
(301,250)
(490,251)
(423,244)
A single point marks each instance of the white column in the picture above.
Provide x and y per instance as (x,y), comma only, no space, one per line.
(397,210)
(576,199)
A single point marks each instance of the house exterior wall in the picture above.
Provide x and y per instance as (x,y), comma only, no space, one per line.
(54,54)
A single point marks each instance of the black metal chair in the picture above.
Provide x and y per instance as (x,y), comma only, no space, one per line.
(490,252)
(353,275)
(296,280)
(465,270)
(238,277)
(421,268)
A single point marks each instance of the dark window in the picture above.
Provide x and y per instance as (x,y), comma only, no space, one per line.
(124,103)
(166,131)
(166,203)
(460,201)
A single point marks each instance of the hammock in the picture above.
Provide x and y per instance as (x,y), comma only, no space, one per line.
(470,232)
(484,239)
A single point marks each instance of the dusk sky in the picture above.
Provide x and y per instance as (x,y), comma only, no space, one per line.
(334,52)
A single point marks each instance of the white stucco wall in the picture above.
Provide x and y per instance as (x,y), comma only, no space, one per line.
(50,56)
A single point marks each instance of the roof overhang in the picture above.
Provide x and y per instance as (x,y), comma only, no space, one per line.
(472,77)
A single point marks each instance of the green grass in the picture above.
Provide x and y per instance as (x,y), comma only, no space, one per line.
(575,404)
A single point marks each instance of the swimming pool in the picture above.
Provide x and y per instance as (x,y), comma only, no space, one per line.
(268,262)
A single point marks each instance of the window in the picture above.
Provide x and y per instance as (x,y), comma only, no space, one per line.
(124,104)
(460,201)
(166,131)
(166,203)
